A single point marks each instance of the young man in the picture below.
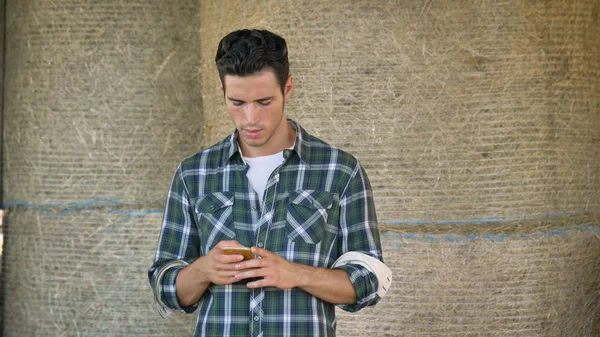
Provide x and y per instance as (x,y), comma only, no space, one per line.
(304,207)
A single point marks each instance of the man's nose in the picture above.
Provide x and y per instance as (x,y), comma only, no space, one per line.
(251,113)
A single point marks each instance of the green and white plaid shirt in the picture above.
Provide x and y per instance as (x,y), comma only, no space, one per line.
(317,206)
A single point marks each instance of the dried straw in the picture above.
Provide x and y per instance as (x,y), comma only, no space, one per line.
(102,99)
(471,118)
(467,110)
(83,274)
(102,102)
(479,126)
(512,284)
(1,235)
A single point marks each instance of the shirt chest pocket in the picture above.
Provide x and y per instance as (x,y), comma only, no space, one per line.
(214,213)
(307,215)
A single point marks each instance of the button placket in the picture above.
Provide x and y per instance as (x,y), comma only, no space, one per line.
(257,295)
(255,312)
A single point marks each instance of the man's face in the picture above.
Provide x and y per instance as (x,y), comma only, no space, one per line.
(255,104)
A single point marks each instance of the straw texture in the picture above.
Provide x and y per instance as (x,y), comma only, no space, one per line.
(102,103)
(468,110)
(82,274)
(513,284)
(478,123)
(102,99)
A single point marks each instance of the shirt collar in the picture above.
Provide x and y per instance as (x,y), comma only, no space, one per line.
(301,145)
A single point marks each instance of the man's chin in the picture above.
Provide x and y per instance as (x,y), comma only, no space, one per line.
(254,143)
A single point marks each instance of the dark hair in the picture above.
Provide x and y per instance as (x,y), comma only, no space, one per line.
(246,52)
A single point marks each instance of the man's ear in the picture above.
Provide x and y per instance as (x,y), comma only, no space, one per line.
(287,90)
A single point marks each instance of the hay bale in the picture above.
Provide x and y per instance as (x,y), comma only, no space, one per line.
(90,281)
(101,99)
(534,283)
(458,111)
(101,105)
(465,115)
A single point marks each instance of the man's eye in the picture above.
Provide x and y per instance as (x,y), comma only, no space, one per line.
(236,103)
(264,103)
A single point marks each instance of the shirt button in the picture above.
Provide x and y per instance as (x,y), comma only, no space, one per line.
(253,208)
(256,318)
(260,244)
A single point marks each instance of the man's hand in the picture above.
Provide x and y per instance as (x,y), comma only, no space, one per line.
(331,285)
(214,267)
(274,270)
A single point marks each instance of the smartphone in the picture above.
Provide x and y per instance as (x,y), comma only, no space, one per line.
(244,251)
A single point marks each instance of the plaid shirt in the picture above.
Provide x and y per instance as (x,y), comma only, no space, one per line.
(317,206)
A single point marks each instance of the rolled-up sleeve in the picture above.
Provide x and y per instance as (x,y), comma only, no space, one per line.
(178,242)
(365,285)
(167,292)
(359,233)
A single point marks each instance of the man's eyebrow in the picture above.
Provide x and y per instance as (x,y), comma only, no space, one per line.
(258,100)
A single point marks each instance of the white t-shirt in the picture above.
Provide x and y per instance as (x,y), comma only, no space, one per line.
(260,171)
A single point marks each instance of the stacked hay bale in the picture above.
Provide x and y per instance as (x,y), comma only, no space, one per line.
(478,123)
(479,126)
(532,278)
(101,105)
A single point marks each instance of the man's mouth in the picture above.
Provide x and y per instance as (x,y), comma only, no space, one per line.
(252,133)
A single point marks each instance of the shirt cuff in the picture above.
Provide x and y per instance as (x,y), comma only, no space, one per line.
(365,285)
(168,292)
(381,271)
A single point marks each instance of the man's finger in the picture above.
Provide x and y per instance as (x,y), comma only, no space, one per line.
(229,259)
(261,252)
(251,264)
(249,273)
(226,280)
(257,284)
(232,243)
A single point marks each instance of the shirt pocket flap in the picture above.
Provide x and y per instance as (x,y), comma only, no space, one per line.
(312,199)
(210,203)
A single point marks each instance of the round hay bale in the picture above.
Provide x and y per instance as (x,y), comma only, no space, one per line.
(102,99)
(470,110)
(101,105)
(458,111)
(89,282)
(464,283)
